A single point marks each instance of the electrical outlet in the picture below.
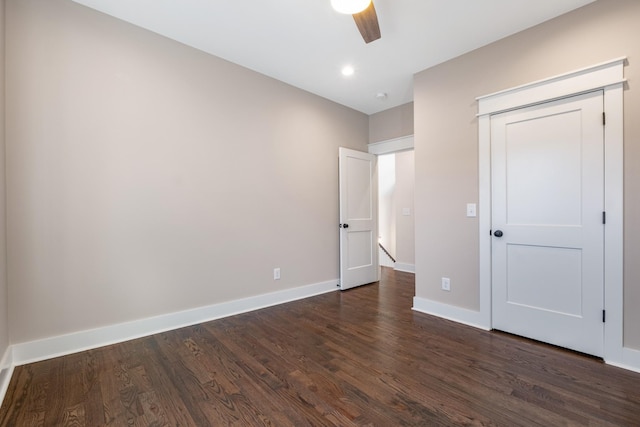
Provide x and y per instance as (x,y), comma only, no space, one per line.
(276,273)
(446,284)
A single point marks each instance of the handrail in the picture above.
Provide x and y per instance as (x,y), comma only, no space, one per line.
(386,252)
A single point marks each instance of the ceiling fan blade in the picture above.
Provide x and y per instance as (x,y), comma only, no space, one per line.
(367,22)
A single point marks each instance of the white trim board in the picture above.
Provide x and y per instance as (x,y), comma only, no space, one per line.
(407,268)
(449,312)
(61,345)
(6,371)
(391,146)
(608,77)
(586,79)
(7,359)
(630,360)
(5,379)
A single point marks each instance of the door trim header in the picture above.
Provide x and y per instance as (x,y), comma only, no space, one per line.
(599,76)
(391,145)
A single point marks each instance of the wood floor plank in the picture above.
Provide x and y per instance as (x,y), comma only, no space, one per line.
(229,392)
(18,413)
(160,376)
(57,393)
(255,368)
(355,358)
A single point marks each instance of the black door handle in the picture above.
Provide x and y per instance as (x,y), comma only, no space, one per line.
(497,233)
(344,225)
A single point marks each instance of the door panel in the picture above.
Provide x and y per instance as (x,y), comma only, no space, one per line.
(359,202)
(547,199)
(358,218)
(530,284)
(557,177)
(363,240)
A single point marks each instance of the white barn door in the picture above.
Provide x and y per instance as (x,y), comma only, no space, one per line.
(358,218)
(547,166)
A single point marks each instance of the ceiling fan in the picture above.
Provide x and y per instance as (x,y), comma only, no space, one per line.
(364,13)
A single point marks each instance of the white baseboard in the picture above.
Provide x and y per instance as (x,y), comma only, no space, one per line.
(630,360)
(6,370)
(407,268)
(47,348)
(450,312)
(29,352)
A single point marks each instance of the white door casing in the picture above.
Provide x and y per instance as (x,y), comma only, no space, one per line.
(358,218)
(547,221)
(608,76)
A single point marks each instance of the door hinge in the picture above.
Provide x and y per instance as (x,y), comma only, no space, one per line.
(604,118)
(604,316)
(604,217)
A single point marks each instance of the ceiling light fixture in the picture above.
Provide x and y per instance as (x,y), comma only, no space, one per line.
(348,70)
(350,7)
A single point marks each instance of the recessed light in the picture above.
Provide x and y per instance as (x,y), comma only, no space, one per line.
(348,70)
(381,96)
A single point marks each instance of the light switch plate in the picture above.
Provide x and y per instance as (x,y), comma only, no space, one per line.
(471,210)
(406,211)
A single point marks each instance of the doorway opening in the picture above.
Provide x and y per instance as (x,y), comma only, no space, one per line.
(358,224)
(395,210)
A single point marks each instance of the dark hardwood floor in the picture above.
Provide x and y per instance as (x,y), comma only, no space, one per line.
(360,357)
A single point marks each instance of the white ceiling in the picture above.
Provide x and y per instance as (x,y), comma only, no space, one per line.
(305,43)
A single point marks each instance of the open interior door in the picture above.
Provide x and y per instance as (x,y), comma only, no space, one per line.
(358,218)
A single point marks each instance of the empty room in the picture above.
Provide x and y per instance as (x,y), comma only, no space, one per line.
(194,227)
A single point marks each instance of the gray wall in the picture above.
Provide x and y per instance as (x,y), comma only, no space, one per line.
(446,141)
(392,123)
(404,198)
(146,177)
(4,297)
